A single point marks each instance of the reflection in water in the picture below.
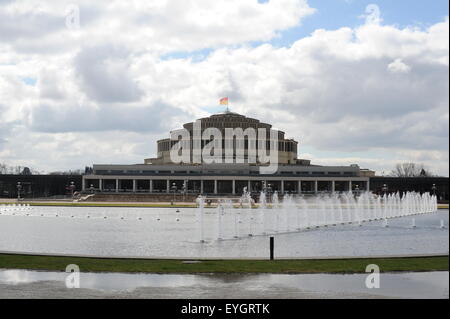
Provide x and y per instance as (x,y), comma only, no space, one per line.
(43,284)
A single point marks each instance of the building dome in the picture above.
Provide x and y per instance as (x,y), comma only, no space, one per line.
(287,148)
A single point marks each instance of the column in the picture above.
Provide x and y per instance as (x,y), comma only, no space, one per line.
(167,186)
(368,185)
(299,187)
(100,182)
(134,186)
(249,186)
(215,186)
(83,184)
(350,186)
(151,186)
(282,187)
(117,185)
(316,187)
(233,187)
(201,186)
(333,186)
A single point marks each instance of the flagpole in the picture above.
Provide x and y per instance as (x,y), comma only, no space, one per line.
(225,99)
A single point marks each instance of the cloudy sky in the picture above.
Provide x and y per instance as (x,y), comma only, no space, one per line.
(354,81)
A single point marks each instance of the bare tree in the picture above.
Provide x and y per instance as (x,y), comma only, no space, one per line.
(69,172)
(410,170)
(16,170)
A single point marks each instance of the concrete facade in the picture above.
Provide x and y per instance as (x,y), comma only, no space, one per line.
(161,175)
(287,148)
(224,179)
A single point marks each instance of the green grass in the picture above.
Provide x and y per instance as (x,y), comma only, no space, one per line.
(54,263)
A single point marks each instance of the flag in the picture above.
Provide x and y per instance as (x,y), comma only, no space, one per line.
(223,101)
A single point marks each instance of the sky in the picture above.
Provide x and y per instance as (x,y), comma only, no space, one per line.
(354,81)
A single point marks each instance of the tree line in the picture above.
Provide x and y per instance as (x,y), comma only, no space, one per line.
(24,170)
(411,170)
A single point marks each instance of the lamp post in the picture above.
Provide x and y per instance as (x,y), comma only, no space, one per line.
(174,188)
(72,188)
(91,188)
(19,188)
(184,191)
(266,189)
(384,189)
(357,190)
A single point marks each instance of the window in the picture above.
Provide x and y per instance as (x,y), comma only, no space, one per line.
(164,172)
(334,173)
(349,173)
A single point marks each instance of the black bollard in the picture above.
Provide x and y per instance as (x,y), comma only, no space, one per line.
(271,247)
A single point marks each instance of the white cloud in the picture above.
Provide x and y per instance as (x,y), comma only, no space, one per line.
(398,66)
(155,26)
(104,94)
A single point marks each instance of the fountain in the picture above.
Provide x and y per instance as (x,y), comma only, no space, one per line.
(201,207)
(223,228)
(274,214)
(294,214)
(4,209)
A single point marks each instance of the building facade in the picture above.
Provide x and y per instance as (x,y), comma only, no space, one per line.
(161,175)
(222,179)
(286,148)
(44,186)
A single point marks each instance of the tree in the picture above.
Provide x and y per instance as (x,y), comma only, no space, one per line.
(26,171)
(69,172)
(410,170)
(17,170)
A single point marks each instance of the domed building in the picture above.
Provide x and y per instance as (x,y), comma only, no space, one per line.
(287,148)
(240,146)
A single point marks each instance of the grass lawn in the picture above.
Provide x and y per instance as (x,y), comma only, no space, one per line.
(11,261)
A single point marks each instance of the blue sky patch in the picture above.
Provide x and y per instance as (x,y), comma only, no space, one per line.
(29,81)
(332,15)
